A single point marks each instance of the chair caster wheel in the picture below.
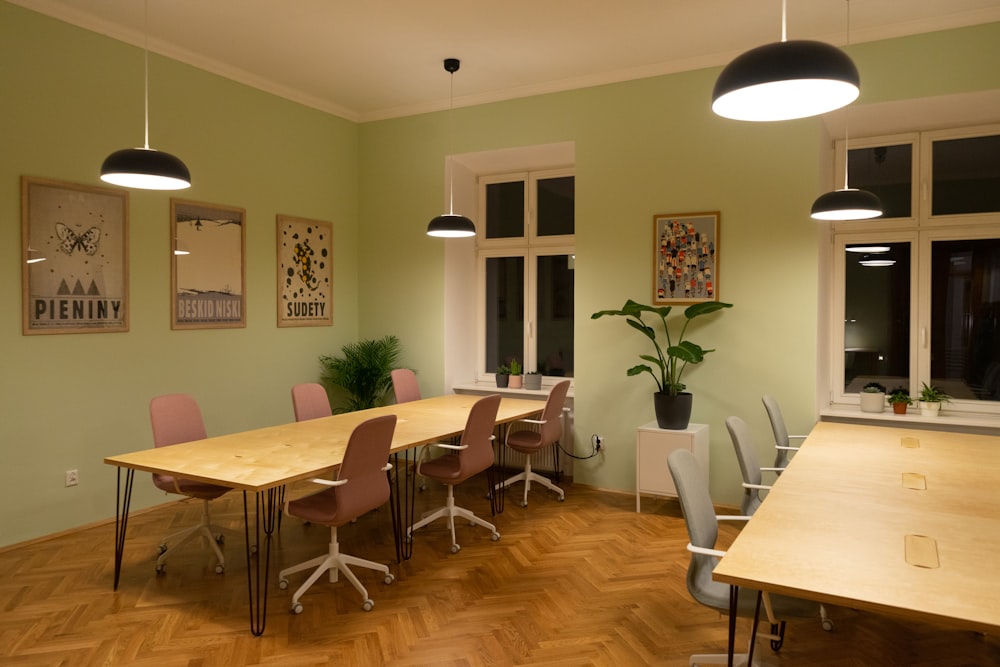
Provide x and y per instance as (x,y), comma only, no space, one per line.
(562,499)
(455,548)
(389,578)
(367,605)
(220,539)
(523,503)
(162,549)
(297,608)
(495,537)
(220,568)
(253,549)
(283,584)
(827,625)
(161,569)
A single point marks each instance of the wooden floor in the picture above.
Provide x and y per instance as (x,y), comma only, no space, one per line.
(584,582)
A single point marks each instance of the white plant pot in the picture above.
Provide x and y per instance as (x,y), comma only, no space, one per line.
(930,408)
(872,402)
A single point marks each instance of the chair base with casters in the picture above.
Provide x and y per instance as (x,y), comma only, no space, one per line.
(334,562)
(450,510)
(528,476)
(205,529)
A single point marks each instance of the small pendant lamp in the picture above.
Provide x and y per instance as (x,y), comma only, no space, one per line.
(145,168)
(451,225)
(786,80)
(847,203)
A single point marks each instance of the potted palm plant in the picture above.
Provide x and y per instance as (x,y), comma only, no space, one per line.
(363,372)
(899,399)
(931,399)
(671,403)
(872,397)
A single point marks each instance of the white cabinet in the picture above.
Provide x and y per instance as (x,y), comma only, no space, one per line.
(652,447)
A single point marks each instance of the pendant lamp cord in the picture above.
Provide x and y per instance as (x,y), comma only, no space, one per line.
(784,26)
(847,109)
(145,48)
(451,176)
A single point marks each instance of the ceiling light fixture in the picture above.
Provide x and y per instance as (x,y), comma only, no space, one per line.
(877,262)
(145,168)
(786,80)
(847,203)
(451,225)
(873,249)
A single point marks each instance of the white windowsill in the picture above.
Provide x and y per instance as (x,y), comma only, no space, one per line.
(491,388)
(960,422)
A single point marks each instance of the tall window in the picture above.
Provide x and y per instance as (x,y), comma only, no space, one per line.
(525,255)
(917,292)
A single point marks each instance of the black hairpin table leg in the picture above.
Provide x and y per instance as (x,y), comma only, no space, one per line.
(266,513)
(122,502)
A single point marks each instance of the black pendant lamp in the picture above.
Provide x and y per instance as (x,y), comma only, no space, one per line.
(451,225)
(145,168)
(786,80)
(847,203)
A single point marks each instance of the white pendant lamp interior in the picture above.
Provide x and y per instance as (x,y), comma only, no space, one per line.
(786,80)
(145,168)
(451,224)
(847,203)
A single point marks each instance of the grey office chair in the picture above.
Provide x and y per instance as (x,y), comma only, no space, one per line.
(746,455)
(782,441)
(703,532)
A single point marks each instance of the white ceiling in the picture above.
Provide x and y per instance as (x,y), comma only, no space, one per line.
(372,59)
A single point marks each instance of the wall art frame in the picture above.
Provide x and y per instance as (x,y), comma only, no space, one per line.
(74,258)
(685,257)
(208,265)
(305,272)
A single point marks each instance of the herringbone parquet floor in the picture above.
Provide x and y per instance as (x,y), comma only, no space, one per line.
(584,582)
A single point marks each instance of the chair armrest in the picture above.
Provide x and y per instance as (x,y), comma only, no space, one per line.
(731,517)
(756,486)
(787,449)
(772,469)
(387,467)
(329,482)
(446,446)
(530,421)
(707,552)
(798,437)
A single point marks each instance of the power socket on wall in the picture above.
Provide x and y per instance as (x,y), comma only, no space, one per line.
(72,477)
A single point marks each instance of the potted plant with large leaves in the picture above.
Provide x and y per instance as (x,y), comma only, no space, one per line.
(671,403)
(363,372)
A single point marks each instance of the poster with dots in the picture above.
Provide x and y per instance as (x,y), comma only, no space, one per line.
(685,258)
(305,272)
(74,258)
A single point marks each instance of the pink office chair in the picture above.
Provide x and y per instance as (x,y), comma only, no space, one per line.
(309,400)
(471,456)
(176,418)
(404,385)
(361,486)
(529,442)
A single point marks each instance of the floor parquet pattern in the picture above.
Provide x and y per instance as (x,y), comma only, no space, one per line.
(584,582)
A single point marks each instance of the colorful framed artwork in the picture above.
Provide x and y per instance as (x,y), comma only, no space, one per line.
(685,258)
(305,272)
(208,268)
(74,258)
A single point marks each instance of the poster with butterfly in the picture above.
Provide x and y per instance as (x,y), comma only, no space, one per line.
(74,258)
(305,272)
(208,276)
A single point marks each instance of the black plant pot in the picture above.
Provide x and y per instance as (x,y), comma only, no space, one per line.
(672,412)
(502,379)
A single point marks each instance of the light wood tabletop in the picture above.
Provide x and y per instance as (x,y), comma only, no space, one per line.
(898,521)
(276,455)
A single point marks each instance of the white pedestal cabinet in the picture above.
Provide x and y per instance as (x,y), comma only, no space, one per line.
(652,447)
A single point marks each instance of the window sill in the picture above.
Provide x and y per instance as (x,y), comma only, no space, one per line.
(484,388)
(959,422)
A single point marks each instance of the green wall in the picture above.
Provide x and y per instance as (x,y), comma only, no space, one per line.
(642,148)
(70,98)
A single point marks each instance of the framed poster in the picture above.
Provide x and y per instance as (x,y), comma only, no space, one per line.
(74,258)
(208,271)
(305,272)
(685,258)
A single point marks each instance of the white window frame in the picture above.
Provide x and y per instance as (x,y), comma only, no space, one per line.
(530,247)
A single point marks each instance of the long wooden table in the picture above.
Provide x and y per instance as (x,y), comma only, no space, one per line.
(897,521)
(261,462)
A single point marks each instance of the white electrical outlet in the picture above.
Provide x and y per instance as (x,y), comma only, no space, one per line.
(72,477)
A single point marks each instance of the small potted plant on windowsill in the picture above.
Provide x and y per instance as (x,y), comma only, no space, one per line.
(873,397)
(515,374)
(931,399)
(899,399)
(503,375)
(532,380)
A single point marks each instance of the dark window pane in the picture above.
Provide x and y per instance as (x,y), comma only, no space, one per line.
(504,311)
(886,171)
(965,318)
(505,210)
(966,175)
(555,206)
(555,315)
(877,317)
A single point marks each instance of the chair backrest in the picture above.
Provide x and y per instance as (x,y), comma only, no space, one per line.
(175,418)
(309,400)
(478,454)
(746,455)
(779,429)
(552,414)
(364,459)
(404,385)
(699,516)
